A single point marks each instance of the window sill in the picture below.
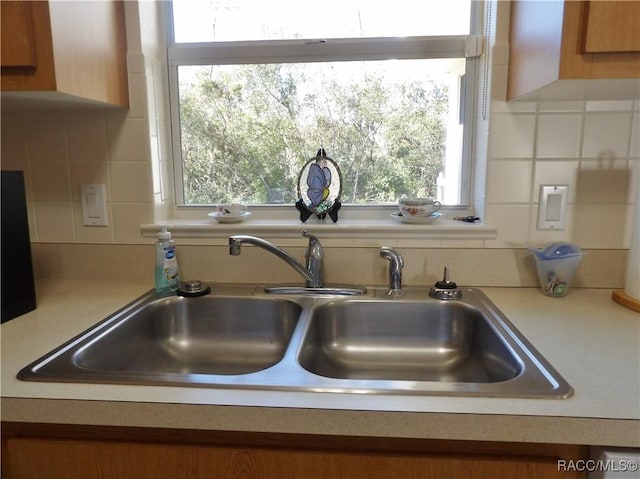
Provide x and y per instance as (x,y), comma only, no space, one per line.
(344,229)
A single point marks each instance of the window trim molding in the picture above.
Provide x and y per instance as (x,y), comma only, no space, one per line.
(359,225)
(324,50)
(355,231)
(469,46)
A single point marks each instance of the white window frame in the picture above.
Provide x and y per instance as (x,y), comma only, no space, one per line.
(469,47)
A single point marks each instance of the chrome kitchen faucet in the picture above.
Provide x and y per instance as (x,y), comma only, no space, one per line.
(312,272)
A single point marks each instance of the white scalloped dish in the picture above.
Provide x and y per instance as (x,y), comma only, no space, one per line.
(229,219)
(416,220)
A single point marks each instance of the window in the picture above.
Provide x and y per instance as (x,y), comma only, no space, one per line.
(257,88)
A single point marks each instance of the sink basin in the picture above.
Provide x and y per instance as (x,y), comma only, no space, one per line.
(195,336)
(409,340)
(243,338)
(160,339)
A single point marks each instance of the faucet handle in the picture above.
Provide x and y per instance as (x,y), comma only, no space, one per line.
(314,258)
(314,248)
(311,236)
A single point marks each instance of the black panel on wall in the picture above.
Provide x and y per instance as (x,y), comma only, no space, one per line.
(18,290)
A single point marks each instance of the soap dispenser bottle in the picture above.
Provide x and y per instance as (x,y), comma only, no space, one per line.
(167,272)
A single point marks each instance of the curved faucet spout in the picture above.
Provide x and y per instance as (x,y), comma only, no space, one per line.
(236,242)
(395,270)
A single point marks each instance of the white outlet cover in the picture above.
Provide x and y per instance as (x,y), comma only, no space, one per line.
(552,207)
(94,205)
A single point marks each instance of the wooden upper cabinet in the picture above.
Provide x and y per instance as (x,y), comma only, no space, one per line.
(612,27)
(556,46)
(74,50)
(18,36)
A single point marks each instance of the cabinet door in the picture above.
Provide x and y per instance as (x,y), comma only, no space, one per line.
(612,26)
(30,458)
(27,50)
(18,43)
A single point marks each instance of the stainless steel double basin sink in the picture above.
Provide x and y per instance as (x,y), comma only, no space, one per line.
(242,337)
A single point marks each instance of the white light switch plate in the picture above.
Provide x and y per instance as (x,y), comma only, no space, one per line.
(94,205)
(552,207)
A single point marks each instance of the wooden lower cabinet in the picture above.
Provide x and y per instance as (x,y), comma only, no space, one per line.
(69,452)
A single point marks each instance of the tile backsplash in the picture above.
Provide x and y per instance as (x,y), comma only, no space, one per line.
(61,149)
(593,147)
(423,266)
(590,146)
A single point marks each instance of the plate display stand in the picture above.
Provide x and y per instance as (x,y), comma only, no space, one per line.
(319,188)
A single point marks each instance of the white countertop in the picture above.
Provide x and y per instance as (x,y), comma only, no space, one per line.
(593,343)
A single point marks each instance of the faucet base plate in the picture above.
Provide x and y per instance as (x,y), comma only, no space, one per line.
(329,290)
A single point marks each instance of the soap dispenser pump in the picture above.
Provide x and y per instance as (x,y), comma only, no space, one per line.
(445,289)
(167,276)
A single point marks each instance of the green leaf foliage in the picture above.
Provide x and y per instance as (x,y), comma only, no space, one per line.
(247,131)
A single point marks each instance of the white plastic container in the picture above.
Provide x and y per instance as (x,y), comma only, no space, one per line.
(556,274)
(167,273)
